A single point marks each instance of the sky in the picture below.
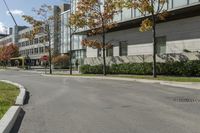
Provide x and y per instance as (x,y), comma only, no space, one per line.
(19,8)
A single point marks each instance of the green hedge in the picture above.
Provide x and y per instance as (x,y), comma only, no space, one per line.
(189,68)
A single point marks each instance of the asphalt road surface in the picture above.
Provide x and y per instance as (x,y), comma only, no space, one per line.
(74,105)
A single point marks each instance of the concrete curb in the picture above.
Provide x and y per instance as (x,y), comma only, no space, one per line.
(182,85)
(188,85)
(8,120)
(21,97)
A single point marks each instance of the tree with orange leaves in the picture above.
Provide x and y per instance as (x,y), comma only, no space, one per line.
(152,11)
(8,52)
(60,60)
(42,24)
(97,16)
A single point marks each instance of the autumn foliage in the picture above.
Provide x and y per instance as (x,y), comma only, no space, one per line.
(60,59)
(8,52)
(97,17)
(152,11)
(41,24)
(148,8)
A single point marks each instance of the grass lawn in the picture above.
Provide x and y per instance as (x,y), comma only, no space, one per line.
(8,94)
(165,78)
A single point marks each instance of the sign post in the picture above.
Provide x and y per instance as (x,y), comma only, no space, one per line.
(45,58)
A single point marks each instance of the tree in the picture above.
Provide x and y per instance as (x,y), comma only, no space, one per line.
(152,11)
(74,23)
(60,60)
(42,24)
(8,52)
(98,17)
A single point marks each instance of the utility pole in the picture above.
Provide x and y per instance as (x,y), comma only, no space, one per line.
(10,12)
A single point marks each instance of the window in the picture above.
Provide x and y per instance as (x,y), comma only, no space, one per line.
(23,44)
(170,4)
(99,53)
(27,43)
(31,42)
(126,14)
(27,52)
(177,3)
(118,16)
(194,1)
(109,51)
(41,50)
(35,40)
(41,39)
(32,51)
(161,45)
(123,48)
(36,50)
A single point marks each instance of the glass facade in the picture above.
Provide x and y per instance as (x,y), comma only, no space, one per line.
(78,51)
(128,14)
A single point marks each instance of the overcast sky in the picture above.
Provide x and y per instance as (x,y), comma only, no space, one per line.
(18,8)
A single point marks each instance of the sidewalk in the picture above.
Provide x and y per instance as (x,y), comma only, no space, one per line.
(42,71)
(191,85)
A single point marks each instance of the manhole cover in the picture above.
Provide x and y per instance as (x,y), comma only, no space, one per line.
(186,100)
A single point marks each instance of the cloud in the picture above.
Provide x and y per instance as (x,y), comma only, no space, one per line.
(16,12)
(3,28)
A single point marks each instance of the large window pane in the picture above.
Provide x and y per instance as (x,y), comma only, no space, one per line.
(170,4)
(126,14)
(193,1)
(109,52)
(123,49)
(117,17)
(177,3)
(161,45)
(137,13)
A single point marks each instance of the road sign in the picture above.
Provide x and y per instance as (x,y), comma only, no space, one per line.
(44,58)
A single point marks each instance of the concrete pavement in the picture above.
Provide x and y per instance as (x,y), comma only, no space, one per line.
(77,105)
(189,85)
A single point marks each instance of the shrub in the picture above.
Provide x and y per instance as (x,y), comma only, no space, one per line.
(188,68)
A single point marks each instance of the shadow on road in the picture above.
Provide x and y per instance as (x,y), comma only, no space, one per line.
(20,118)
(27,98)
(18,122)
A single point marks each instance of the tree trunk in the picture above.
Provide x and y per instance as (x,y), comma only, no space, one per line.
(154,46)
(70,45)
(104,55)
(50,56)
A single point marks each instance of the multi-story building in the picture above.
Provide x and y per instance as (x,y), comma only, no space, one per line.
(12,37)
(36,48)
(78,51)
(3,35)
(180,32)
(39,46)
(32,49)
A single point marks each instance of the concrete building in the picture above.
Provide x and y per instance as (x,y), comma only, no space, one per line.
(36,48)
(32,49)
(12,37)
(179,33)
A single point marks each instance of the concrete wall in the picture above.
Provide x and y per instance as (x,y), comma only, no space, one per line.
(180,34)
(142,58)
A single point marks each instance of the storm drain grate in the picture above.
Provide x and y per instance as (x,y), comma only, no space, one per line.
(186,100)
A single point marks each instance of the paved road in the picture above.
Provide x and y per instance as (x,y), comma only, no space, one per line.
(73,105)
